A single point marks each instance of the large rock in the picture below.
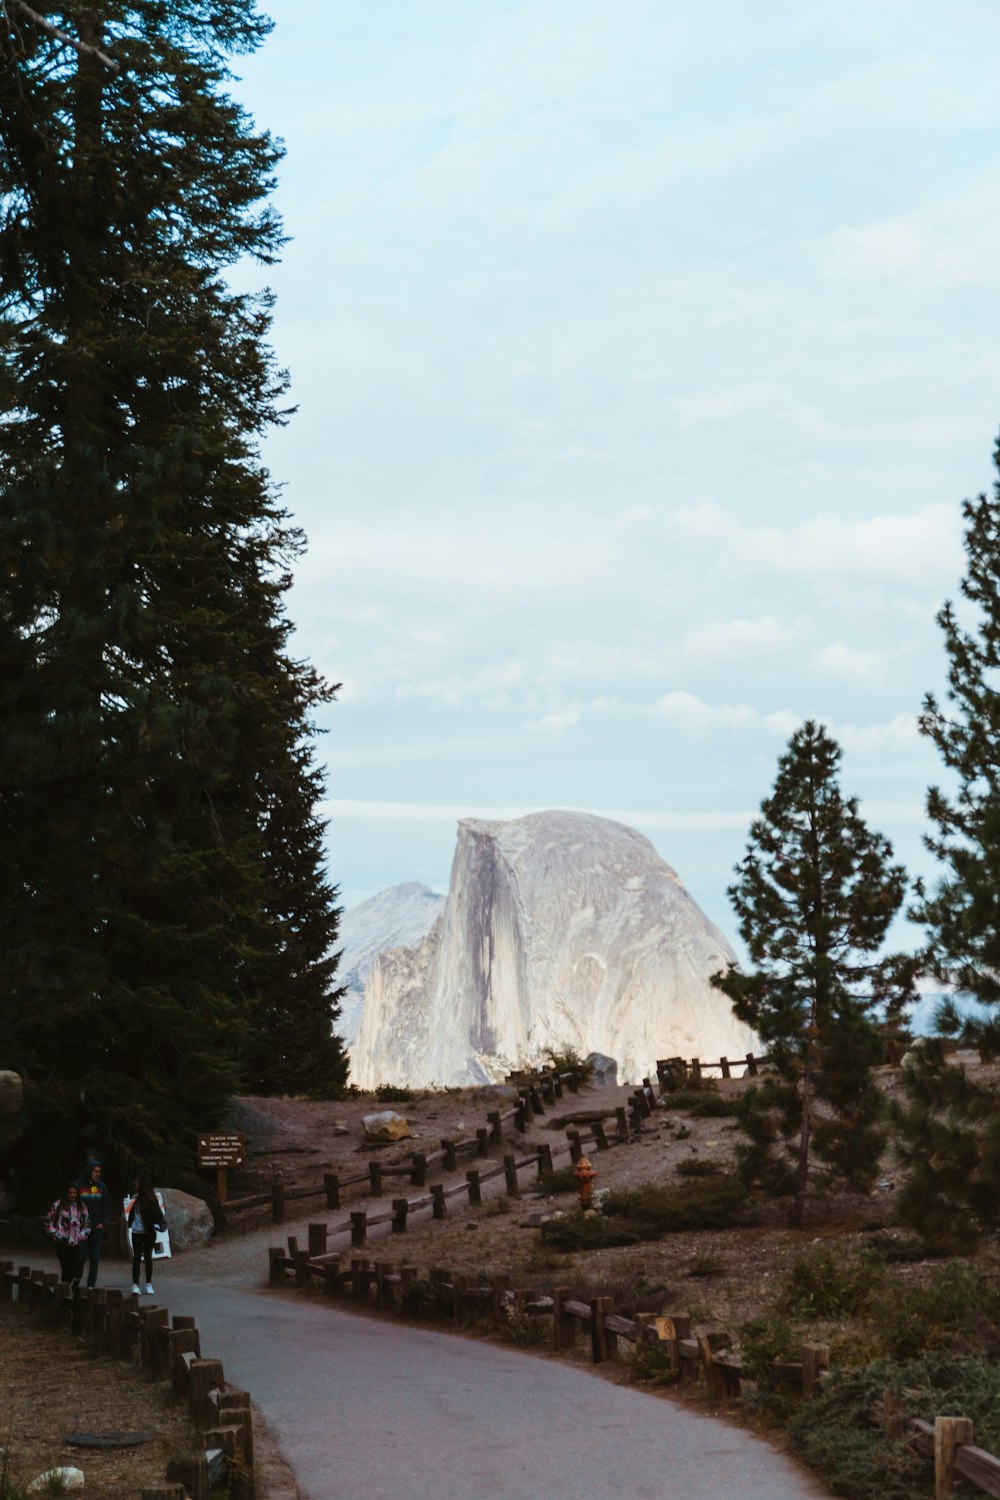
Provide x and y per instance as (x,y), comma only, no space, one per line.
(386,1125)
(11,1094)
(189,1220)
(560,929)
(605,1074)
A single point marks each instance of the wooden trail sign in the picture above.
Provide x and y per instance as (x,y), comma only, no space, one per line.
(221,1150)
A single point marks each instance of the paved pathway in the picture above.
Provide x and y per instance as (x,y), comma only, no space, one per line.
(369,1410)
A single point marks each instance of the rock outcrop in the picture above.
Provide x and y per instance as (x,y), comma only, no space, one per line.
(559,929)
(398,916)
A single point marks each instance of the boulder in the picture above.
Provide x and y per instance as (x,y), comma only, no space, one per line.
(189,1220)
(55,1481)
(11,1094)
(386,1126)
(605,1074)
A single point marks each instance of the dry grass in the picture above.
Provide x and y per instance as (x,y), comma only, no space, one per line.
(51,1386)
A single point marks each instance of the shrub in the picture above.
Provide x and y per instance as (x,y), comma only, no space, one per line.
(581,1231)
(705,1265)
(566,1058)
(698,1166)
(650,1363)
(390,1093)
(824,1283)
(562,1180)
(709,1106)
(523,1328)
(958,1311)
(763,1342)
(718,1203)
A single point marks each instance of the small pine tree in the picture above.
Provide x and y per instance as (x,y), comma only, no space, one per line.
(815,894)
(950,1123)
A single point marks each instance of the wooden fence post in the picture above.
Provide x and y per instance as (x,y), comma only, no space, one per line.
(483,1140)
(359,1282)
(317,1239)
(604,1345)
(893,1414)
(331,1181)
(375,1179)
(359,1227)
(751,1065)
(450,1162)
(815,1357)
(475,1188)
(521,1116)
(400,1208)
(574,1081)
(949,1433)
(418,1171)
(496,1127)
(600,1136)
(275,1265)
(621,1121)
(544,1159)
(694,1077)
(510,1172)
(575,1145)
(563,1325)
(383,1288)
(191,1472)
(440,1208)
(724,1065)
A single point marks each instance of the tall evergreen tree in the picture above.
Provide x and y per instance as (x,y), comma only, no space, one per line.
(162,897)
(815,894)
(950,1127)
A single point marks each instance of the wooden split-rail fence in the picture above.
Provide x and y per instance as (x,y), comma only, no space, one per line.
(404,1289)
(165,1349)
(539,1090)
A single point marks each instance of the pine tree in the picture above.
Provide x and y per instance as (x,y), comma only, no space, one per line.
(155,741)
(950,1125)
(815,894)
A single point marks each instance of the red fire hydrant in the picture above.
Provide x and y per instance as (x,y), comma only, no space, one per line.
(584,1174)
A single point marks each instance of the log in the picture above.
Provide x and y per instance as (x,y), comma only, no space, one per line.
(981,1467)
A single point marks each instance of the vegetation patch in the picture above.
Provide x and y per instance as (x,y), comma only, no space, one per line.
(832,1433)
(581,1231)
(716,1203)
(562,1180)
(698,1166)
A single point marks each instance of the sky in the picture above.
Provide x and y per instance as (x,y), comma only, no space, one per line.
(644,353)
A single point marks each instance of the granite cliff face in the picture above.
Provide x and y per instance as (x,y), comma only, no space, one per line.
(403,914)
(558,928)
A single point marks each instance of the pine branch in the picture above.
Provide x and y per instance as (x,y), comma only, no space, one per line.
(48,26)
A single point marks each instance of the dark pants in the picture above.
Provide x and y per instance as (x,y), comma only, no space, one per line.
(70,1260)
(142,1250)
(92,1256)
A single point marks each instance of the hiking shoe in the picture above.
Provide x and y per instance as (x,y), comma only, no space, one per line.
(150,1289)
(135,1287)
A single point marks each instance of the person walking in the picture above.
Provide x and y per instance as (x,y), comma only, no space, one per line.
(144,1217)
(96,1199)
(68,1227)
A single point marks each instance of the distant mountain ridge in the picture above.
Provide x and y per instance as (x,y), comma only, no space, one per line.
(397,917)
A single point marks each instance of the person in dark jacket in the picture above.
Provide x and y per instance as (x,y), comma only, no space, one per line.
(144,1218)
(68,1227)
(96,1199)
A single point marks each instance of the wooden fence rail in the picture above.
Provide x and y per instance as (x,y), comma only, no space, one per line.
(165,1349)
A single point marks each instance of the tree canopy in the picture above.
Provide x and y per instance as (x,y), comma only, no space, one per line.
(166,920)
(814,894)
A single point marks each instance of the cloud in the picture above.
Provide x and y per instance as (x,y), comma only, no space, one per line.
(842,660)
(555,723)
(725,639)
(918,548)
(899,734)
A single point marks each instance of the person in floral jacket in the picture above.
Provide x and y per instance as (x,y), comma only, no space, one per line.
(67,1224)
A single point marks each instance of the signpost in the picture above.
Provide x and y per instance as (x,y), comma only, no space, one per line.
(221,1150)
